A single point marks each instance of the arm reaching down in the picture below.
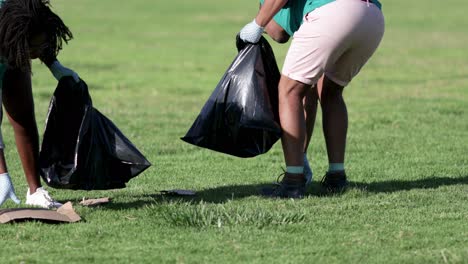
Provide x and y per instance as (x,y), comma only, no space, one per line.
(59,71)
(253,30)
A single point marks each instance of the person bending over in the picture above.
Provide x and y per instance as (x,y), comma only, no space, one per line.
(28,30)
(332,41)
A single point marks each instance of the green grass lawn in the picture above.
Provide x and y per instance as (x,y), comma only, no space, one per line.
(151,65)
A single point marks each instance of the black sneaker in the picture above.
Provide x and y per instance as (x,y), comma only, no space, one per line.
(291,186)
(335,181)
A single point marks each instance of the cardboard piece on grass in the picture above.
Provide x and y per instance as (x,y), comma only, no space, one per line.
(94,202)
(64,214)
(179,192)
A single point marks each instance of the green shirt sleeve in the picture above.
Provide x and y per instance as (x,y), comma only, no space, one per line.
(285,19)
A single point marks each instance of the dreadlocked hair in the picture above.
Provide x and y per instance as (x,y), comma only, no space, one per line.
(22,19)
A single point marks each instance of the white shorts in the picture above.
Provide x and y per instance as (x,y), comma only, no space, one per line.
(336,39)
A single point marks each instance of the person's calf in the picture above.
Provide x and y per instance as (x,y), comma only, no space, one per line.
(335,125)
(291,111)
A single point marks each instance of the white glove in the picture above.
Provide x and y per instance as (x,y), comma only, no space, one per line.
(59,71)
(6,189)
(251,32)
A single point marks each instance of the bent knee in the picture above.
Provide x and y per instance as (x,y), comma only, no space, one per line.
(289,88)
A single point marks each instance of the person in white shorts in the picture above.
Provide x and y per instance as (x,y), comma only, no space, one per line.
(332,40)
(28,30)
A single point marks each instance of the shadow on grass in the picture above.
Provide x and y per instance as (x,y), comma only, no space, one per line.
(219,195)
(223,194)
(399,185)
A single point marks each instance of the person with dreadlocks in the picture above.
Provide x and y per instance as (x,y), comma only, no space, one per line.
(28,30)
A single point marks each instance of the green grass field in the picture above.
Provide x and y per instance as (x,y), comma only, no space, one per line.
(151,65)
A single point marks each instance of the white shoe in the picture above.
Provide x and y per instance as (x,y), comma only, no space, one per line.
(41,198)
(307,170)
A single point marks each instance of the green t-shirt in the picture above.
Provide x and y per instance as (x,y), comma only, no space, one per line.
(291,16)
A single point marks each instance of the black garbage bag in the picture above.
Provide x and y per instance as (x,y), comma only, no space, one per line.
(241,116)
(81,148)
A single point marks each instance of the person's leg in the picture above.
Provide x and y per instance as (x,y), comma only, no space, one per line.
(310,112)
(293,124)
(291,111)
(335,126)
(19,105)
(334,119)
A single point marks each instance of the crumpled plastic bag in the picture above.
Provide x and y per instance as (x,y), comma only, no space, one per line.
(241,116)
(81,148)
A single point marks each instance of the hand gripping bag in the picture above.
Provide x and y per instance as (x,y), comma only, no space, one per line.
(241,117)
(81,148)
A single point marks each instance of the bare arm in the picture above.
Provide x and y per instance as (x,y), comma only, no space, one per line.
(276,32)
(48,59)
(252,32)
(56,68)
(268,10)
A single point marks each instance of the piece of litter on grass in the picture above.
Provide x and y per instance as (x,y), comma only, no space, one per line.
(179,192)
(94,202)
(130,217)
(64,214)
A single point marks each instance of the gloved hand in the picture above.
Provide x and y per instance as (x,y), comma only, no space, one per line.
(59,71)
(6,189)
(251,32)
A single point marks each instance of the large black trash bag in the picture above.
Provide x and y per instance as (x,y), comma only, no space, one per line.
(81,148)
(241,116)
